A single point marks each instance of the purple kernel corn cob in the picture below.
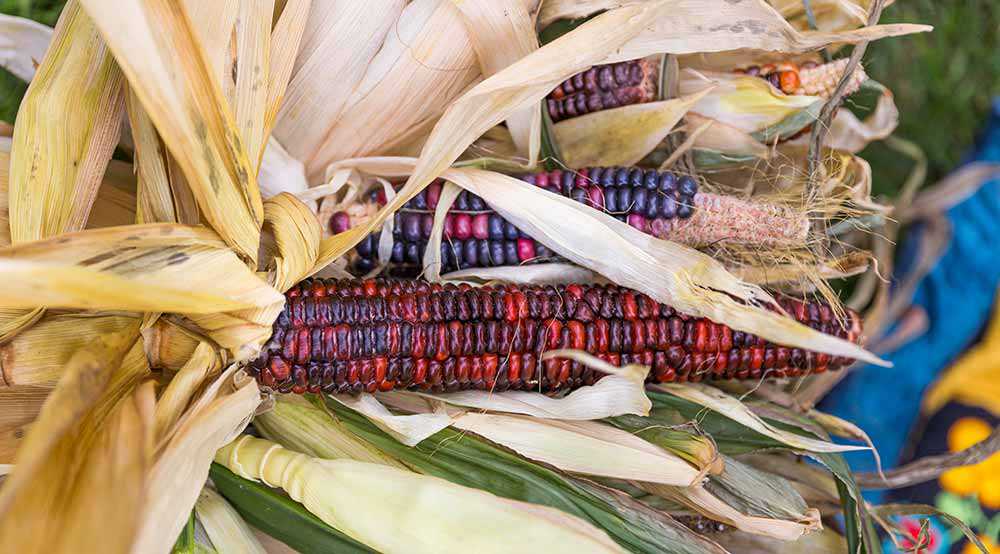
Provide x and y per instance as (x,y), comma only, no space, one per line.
(660,203)
(350,336)
(604,87)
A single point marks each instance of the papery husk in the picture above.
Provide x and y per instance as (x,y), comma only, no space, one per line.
(116,199)
(169,345)
(745,102)
(299,425)
(619,392)
(23,43)
(620,136)
(173,484)
(848,265)
(680,277)
(93,434)
(225,527)
(409,429)
(280,172)
(156,199)
(850,134)
(582,447)
(829,15)
(19,407)
(534,274)
(38,355)
(60,147)
(704,502)
(203,363)
(286,39)
(502,33)
(155,44)
(156,267)
(732,408)
(357,498)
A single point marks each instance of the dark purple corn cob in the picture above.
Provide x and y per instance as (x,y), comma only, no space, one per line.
(475,236)
(604,87)
(350,336)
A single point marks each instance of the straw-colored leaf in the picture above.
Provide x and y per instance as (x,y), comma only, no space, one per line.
(23,43)
(534,274)
(225,527)
(363,500)
(621,136)
(157,267)
(60,148)
(286,38)
(181,468)
(829,15)
(38,355)
(5,144)
(694,26)
(116,202)
(732,408)
(154,195)
(742,101)
(94,432)
(280,172)
(296,234)
(19,407)
(704,502)
(725,138)
(850,134)
(501,33)
(156,46)
(407,429)
(252,36)
(585,447)
(175,398)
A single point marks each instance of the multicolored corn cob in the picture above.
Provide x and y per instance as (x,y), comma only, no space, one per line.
(350,336)
(604,87)
(609,86)
(659,203)
(810,79)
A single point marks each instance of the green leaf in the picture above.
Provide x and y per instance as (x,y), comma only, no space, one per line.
(280,516)
(549,149)
(791,125)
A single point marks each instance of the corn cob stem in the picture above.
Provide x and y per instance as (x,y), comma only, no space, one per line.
(660,203)
(350,336)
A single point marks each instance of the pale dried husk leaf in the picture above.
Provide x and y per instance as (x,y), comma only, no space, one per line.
(60,149)
(621,136)
(224,526)
(502,33)
(286,38)
(19,407)
(181,467)
(408,429)
(154,195)
(23,43)
(156,46)
(829,15)
(362,500)
(745,102)
(850,134)
(175,398)
(156,267)
(534,274)
(280,172)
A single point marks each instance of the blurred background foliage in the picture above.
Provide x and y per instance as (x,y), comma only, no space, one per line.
(943,81)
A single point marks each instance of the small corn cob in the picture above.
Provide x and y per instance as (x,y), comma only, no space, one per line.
(350,336)
(660,203)
(810,79)
(609,86)
(604,87)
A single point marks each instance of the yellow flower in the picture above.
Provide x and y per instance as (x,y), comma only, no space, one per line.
(983,478)
(966,432)
(991,547)
(961,480)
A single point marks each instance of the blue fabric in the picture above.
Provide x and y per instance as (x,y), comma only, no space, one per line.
(958,295)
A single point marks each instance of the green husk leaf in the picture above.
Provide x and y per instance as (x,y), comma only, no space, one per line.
(281,517)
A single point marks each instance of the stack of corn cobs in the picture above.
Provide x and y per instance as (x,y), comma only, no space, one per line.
(434,277)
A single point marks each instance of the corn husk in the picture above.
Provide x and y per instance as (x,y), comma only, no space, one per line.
(23,43)
(154,44)
(719,137)
(408,429)
(175,398)
(502,33)
(92,434)
(286,38)
(225,527)
(19,407)
(828,15)
(51,132)
(621,136)
(157,200)
(850,134)
(361,499)
(745,102)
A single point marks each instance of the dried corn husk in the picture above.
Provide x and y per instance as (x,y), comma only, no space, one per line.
(23,43)
(19,407)
(829,15)
(59,147)
(621,136)
(362,499)
(286,38)
(744,102)
(154,43)
(175,398)
(225,527)
(502,33)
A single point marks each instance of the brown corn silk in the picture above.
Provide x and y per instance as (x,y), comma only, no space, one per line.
(352,336)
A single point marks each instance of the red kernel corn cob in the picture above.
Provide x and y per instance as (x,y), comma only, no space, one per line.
(350,336)
(660,203)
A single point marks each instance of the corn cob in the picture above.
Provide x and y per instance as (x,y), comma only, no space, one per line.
(350,336)
(604,87)
(609,86)
(810,79)
(660,203)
